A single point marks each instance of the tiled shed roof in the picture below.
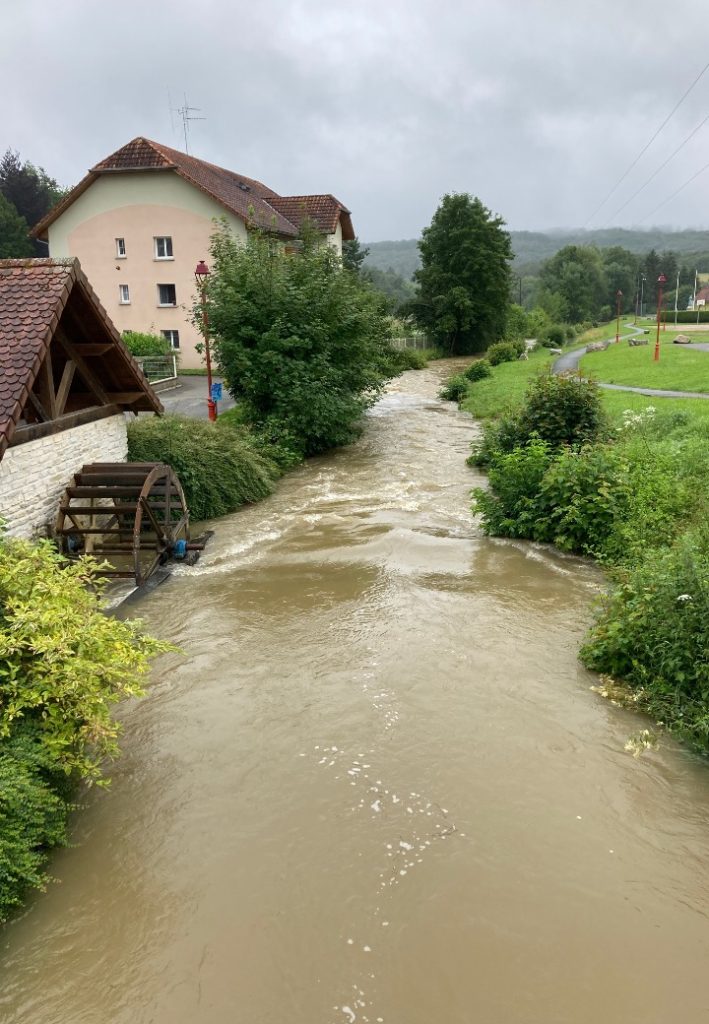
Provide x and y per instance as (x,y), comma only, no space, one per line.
(246,198)
(33,297)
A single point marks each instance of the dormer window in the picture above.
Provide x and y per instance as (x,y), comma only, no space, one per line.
(163,247)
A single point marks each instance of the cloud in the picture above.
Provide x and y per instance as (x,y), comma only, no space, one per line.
(536,106)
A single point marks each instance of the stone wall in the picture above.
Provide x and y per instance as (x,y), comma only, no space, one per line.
(33,475)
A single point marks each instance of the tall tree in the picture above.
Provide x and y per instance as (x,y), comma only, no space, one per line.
(464,278)
(353,255)
(15,242)
(621,268)
(30,190)
(576,274)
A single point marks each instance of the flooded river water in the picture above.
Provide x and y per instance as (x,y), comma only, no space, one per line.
(377,786)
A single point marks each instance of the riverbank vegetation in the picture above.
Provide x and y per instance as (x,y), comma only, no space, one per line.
(63,666)
(616,478)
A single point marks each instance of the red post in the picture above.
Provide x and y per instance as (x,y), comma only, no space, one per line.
(660,281)
(201,274)
(618,297)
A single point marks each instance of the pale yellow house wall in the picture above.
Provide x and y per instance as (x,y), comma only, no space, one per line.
(138,207)
(336,240)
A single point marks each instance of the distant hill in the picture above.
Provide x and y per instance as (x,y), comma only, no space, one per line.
(532,247)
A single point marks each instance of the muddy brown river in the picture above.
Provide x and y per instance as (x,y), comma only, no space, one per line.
(377,786)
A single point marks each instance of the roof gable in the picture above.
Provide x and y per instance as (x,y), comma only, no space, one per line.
(246,198)
(45,305)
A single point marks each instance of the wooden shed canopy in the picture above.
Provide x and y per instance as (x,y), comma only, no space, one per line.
(62,361)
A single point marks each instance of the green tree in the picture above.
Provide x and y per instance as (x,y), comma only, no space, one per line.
(30,190)
(353,255)
(15,242)
(397,290)
(303,344)
(621,269)
(464,278)
(576,274)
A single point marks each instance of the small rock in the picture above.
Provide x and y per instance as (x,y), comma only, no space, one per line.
(682,339)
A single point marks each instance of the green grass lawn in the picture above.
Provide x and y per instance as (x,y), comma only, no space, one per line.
(679,368)
(505,389)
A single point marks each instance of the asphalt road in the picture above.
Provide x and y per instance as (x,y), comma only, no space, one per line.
(190,398)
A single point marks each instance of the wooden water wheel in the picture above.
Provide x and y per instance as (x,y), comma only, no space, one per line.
(131,514)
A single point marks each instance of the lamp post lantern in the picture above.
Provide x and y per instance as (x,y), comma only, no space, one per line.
(200,275)
(618,297)
(660,281)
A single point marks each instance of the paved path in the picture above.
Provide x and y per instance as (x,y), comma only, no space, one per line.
(570,362)
(190,398)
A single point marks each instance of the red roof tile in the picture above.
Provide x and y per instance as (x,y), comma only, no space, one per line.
(33,296)
(250,200)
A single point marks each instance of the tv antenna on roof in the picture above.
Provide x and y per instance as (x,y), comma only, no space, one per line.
(187,114)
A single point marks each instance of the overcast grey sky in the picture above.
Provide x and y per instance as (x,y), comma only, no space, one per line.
(537,106)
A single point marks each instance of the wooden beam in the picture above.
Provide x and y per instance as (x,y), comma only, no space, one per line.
(74,353)
(125,397)
(64,386)
(45,386)
(39,409)
(73,419)
(96,348)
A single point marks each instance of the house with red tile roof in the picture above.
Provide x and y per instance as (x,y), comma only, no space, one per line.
(66,383)
(141,220)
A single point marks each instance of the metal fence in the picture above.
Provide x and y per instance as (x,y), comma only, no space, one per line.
(158,369)
(417,341)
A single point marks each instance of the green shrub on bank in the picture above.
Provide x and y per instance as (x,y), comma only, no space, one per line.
(653,634)
(220,468)
(454,389)
(478,370)
(409,359)
(555,336)
(504,352)
(559,409)
(63,665)
(142,344)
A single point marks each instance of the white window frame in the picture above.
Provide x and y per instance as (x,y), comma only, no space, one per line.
(167,243)
(167,305)
(120,245)
(124,296)
(170,335)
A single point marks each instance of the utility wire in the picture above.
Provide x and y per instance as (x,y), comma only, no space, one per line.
(660,168)
(675,193)
(647,145)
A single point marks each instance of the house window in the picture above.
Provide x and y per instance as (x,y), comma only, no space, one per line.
(166,295)
(120,248)
(163,248)
(173,337)
(124,294)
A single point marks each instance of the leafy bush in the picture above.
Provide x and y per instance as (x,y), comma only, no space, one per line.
(304,346)
(220,468)
(563,409)
(555,336)
(455,388)
(63,663)
(409,359)
(504,352)
(478,370)
(139,344)
(33,815)
(517,323)
(512,506)
(653,633)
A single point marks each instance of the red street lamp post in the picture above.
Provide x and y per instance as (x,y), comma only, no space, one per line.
(618,297)
(200,275)
(660,281)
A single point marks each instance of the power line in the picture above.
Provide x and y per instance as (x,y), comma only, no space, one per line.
(660,168)
(676,192)
(647,145)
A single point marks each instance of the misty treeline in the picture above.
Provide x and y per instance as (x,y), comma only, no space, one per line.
(27,194)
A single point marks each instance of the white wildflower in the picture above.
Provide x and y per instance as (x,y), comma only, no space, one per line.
(684,597)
